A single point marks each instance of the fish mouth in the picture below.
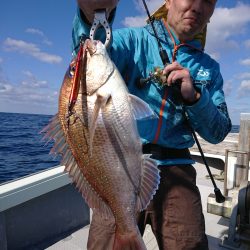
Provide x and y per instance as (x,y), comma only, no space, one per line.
(91,46)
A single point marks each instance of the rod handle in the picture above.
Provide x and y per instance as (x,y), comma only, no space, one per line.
(219,196)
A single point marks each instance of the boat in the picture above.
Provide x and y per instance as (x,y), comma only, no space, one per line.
(45,211)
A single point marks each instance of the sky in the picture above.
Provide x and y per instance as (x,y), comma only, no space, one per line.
(35,50)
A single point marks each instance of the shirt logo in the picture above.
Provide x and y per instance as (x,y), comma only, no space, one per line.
(203,73)
(204,83)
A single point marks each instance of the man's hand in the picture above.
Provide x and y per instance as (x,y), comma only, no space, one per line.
(177,74)
(89,6)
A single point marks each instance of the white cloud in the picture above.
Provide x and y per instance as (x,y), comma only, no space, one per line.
(227,87)
(245,62)
(32,82)
(5,88)
(30,92)
(247,44)
(152,5)
(30,49)
(244,89)
(34,31)
(244,75)
(215,55)
(40,33)
(237,109)
(140,20)
(28,73)
(225,25)
(136,21)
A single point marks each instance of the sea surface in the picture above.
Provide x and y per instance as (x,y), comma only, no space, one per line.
(22,151)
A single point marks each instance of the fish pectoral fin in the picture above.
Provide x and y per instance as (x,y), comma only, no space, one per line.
(101,100)
(150,181)
(141,109)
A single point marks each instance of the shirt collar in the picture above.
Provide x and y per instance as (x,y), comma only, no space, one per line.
(165,37)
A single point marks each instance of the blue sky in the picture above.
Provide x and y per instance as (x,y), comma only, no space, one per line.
(35,50)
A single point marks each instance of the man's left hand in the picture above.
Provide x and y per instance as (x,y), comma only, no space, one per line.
(176,74)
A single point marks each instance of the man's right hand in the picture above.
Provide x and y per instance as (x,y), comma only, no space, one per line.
(88,7)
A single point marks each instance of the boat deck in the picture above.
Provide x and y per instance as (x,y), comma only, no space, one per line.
(216,226)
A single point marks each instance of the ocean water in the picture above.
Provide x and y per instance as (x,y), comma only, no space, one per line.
(22,151)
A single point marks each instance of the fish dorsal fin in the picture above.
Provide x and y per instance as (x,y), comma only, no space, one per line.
(54,131)
(141,109)
(149,182)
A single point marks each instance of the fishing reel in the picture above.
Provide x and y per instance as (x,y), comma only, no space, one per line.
(160,79)
(156,76)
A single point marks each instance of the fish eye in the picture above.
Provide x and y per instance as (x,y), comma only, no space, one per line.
(71,71)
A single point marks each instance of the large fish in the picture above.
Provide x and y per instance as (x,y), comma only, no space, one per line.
(95,132)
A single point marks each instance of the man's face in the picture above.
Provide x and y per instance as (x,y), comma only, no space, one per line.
(97,4)
(188,17)
(88,7)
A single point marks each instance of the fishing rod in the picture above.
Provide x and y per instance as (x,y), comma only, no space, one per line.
(164,57)
(163,53)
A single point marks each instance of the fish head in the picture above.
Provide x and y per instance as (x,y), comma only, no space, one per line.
(99,66)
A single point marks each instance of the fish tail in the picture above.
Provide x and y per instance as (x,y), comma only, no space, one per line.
(129,241)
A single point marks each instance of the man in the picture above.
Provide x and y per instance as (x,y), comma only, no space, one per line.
(175,213)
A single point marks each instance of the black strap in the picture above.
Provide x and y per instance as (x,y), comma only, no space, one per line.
(160,153)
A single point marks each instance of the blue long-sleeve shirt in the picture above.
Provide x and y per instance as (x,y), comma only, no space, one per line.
(135,52)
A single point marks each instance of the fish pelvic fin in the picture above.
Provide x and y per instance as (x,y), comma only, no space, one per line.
(129,241)
(150,181)
(141,110)
(101,100)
